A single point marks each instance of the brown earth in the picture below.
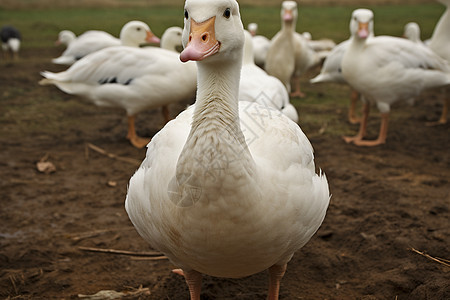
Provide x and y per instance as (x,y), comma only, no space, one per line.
(386,201)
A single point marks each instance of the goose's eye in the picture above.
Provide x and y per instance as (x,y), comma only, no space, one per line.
(186,15)
(227,13)
(138,29)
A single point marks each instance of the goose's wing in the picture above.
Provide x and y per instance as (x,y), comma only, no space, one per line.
(120,64)
(385,50)
(86,43)
(331,70)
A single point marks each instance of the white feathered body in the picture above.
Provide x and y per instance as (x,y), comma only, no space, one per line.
(331,70)
(88,42)
(280,59)
(261,45)
(253,208)
(127,77)
(388,69)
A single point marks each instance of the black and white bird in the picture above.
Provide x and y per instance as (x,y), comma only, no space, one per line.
(11,40)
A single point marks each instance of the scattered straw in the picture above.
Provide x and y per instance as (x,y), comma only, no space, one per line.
(442,261)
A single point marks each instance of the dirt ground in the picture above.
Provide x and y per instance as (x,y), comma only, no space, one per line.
(386,202)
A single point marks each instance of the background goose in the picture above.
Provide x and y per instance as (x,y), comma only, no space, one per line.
(94,40)
(440,44)
(257,86)
(226,189)
(318,45)
(289,55)
(412,32)
(260,45)
(131,78)
(387,69)
(171,39)
(11,39)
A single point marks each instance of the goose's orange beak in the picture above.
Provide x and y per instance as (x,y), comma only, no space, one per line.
(202,41)
(288,15)
(152,38)
(363,30)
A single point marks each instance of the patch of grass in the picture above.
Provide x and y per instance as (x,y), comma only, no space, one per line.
(40,26)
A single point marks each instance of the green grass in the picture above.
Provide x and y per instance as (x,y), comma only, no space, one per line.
(41,26)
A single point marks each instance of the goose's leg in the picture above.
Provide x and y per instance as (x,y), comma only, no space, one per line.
(297,92)
(354,97)
(193,280)
(443,118)
(165,112)
(362,126)
(276,273)
(135,140)
(381,136)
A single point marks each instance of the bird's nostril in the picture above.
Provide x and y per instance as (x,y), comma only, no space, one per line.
(190,37)
(205,37)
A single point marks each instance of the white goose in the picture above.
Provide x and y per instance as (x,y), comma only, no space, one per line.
(412,32)
(94,40)
(440,44)
(289,55)
(226,188)
(387,69)
(257,86)
(260,45)
(318,45)
(171,39)
(131,78)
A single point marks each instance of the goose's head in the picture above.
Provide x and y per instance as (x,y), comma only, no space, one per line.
(135,33)
(289,12)
(361,24)
(412,31)
(253,28)
(171,39)
(213,31)
(65,37)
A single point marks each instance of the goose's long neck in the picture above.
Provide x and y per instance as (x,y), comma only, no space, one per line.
(216,146)
(288,27)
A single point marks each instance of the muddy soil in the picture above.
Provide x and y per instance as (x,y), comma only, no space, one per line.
(386,202)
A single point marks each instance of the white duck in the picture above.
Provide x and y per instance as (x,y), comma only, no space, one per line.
(331,71)
(94,40)
(257,86)
(440,44)
(289,55)
(131,78)
(226,188)
(387,69)
(260,45)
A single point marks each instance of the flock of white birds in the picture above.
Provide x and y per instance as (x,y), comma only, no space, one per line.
(229,187)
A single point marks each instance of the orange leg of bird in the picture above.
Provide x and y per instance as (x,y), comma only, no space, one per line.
(443,119)
(362,126)
(381,136)
(135,140)
(354,97)
(193,280)
(297,92)
(276,273)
